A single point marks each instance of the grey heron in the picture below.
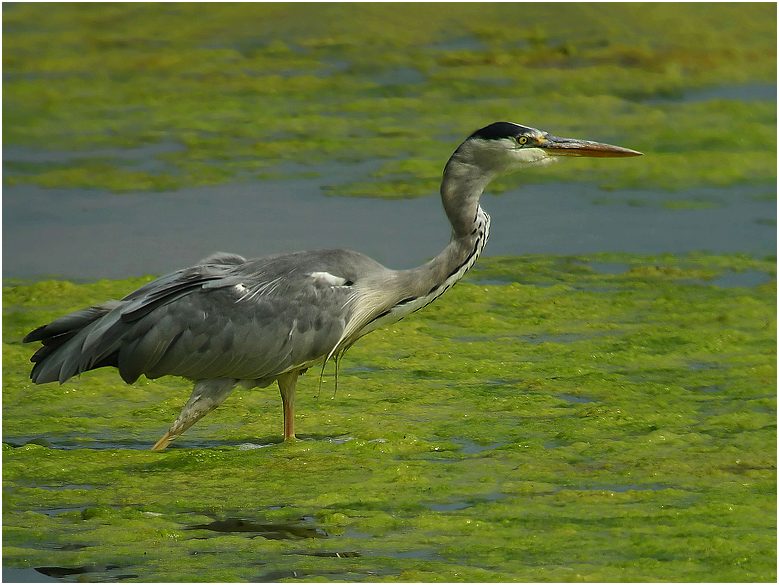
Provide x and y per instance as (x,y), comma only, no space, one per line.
(228,320)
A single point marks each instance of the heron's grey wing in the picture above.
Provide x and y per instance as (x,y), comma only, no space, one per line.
(216,267)
(91,338)
(222,333)
(253,321)
(224,317)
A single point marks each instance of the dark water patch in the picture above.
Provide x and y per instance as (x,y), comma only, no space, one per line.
(29,575)
(23,154)
(400,76)
(71,547)
(107,573)
(463,448)
(453,507)
(105,443)
(746,92)
(743,467)
(729,279)
(337,440)
(537,339)
(332,65)
(273,576)
(555,444)
(620,488)
(51,512)
(533,339)
(67,487)
(463,504)
(253,446)
(458,43)
(350,575)
(338,555)
(700,366)
(481,338)
(747,279)
(22,160)
(99,443)
(87,512)
(415,554)
(60,572)
(362,369)
(576,399)
(505,381)
(270,531)
(351,533)
(471,448)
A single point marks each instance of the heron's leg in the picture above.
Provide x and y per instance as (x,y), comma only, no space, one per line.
(206,396)
(287,384)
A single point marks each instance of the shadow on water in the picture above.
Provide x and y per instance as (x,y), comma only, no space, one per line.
(272,531)
(303,529)
(55,574)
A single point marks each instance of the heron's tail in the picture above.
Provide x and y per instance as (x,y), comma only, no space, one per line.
(67,350)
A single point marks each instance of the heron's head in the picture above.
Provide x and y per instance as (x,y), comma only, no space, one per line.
(503,147)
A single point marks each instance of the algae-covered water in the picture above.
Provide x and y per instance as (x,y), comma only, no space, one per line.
(550,419)
(602,409)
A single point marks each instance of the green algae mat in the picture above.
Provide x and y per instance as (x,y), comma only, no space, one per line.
(128,97)
(604,418)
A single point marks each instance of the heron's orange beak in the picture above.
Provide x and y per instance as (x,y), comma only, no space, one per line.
(557,146)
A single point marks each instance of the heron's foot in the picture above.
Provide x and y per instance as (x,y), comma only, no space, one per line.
(163,443)
(206,396)
(181,424)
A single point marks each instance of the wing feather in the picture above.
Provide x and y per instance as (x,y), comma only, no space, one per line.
(269,324)
(225,317)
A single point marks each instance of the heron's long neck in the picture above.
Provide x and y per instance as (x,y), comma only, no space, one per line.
(410,290)
(461,188)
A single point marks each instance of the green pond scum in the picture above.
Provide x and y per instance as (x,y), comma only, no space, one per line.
(157,96)
(607,417)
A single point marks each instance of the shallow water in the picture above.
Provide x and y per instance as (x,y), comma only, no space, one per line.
(86,235)
(744,93)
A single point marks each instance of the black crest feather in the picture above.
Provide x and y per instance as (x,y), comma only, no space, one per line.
(498,130)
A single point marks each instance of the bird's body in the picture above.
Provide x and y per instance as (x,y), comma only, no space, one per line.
(228,320)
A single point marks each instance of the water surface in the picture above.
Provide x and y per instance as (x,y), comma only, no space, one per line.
(87,234)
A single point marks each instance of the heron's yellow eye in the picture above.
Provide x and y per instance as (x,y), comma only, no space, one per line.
(522,140)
